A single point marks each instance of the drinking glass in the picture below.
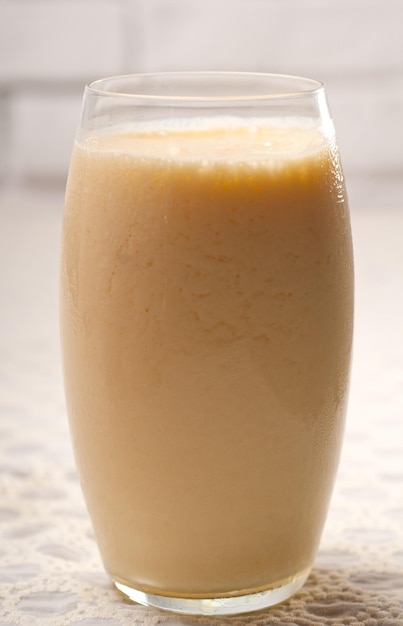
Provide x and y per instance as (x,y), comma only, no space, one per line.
(206,324)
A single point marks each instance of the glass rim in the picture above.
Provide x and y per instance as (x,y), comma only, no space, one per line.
(312,87)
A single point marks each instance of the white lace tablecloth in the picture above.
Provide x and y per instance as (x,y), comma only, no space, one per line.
(50,572)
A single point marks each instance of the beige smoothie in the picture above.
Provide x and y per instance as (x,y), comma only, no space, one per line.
(206,331)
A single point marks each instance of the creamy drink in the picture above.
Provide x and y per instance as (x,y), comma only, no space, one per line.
(206,325)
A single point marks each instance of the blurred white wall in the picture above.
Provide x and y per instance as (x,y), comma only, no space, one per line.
(50,48)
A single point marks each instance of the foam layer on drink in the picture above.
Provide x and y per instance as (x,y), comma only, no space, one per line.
(214,140)
(206,327)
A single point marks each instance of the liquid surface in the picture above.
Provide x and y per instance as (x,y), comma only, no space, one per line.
(206,327)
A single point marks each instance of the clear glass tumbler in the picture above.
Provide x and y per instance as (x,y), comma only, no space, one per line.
(206,323)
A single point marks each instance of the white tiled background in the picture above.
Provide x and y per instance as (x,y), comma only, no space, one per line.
(50,48)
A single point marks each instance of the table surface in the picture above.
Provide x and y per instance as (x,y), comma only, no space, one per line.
(50,571)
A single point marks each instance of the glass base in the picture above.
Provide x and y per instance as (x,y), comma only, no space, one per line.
(228,605)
